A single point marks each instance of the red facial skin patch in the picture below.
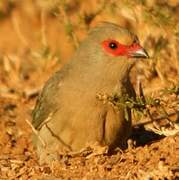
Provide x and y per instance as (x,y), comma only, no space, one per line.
(117,49)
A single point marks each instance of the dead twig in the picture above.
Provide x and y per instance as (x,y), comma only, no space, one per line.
(22,38)
(36,132)
(43,28)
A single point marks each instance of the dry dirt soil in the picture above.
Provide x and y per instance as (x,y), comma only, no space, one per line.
(24,67)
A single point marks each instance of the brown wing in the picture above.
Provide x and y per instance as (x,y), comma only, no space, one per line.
(48,100)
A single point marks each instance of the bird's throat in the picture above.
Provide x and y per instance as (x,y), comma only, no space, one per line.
(113,77)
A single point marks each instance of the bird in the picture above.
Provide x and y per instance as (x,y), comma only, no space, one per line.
(68,116)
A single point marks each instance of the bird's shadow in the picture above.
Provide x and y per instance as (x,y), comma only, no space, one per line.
(142,137)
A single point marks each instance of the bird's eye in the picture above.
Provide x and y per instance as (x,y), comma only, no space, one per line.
(113,45)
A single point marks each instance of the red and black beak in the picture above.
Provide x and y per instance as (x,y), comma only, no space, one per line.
(139,53)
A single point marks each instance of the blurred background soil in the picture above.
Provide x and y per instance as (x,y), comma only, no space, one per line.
(38,37)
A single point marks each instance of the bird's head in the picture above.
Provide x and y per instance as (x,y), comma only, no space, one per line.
(109,49)
(115,41)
